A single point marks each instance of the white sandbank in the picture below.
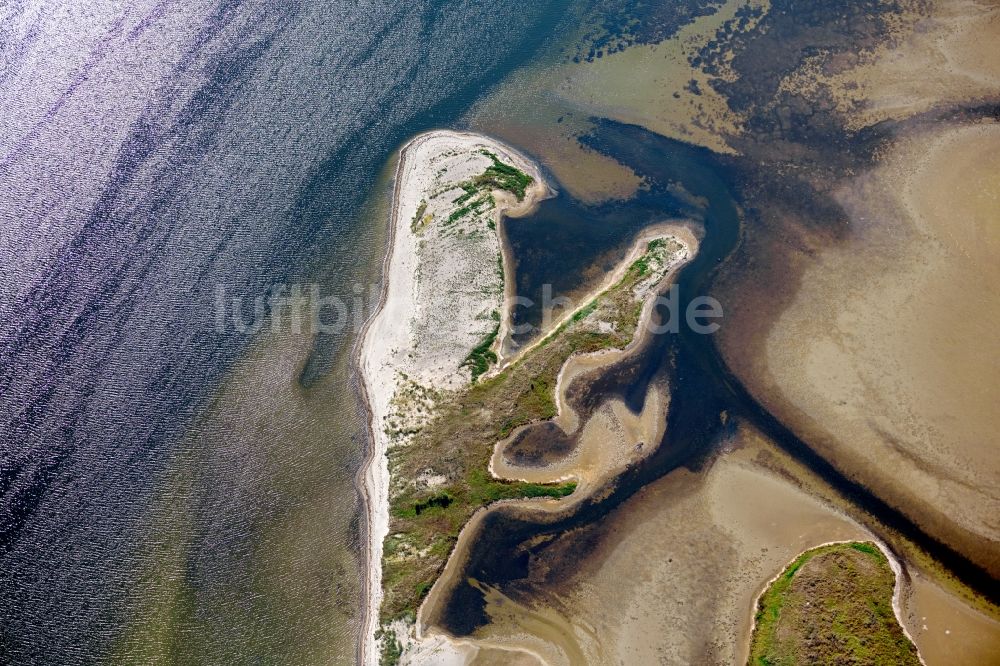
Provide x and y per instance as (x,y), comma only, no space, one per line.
(441,286)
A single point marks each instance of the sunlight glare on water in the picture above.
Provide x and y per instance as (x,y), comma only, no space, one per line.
(150,152)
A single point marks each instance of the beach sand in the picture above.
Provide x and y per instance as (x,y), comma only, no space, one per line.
(439,289)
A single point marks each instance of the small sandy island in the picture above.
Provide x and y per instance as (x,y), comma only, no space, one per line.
(443,294)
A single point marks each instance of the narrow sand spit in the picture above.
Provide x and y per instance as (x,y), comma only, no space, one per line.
(608,441)
(681,231)
(442,294)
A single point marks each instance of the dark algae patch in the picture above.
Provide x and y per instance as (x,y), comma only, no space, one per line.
(831,605)
(624,23)
(538,446)
(750,62)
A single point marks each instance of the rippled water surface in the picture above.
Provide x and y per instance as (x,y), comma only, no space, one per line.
(170,488)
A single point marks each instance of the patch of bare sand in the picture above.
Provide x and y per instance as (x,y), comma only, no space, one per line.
(497,657)
(889,352)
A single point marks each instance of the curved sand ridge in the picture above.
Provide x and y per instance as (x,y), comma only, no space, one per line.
(725,529)
(441,287)
(606,439)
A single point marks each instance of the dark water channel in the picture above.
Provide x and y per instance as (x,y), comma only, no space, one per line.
(564,236)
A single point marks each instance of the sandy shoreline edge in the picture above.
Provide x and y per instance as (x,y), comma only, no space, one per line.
(373,477)
(368,478)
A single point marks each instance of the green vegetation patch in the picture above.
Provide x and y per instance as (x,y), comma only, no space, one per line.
(458,213)
(498,176)
(502,176)
(655,253)
(482,357)
(391,650)
(470,191)
(585,311)
(831,605)
(418,217)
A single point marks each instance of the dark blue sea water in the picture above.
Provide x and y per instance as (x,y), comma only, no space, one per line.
(151,151)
